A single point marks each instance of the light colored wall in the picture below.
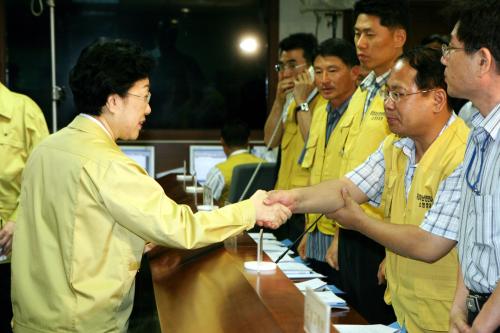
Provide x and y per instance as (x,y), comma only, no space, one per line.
(295,17)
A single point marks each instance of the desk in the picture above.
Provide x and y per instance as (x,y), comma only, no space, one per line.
(208,290)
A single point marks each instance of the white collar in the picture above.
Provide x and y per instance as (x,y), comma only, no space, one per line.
(95,120)
(238,152)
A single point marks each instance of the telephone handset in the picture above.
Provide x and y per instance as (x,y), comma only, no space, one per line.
(310,70)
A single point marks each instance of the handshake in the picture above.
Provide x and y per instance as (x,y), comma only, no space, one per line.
(271,212)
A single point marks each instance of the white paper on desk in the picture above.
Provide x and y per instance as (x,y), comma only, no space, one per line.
(303,275)
(313,284)
(365,329)
(274,255)
(265,236)
(293,266)
(331,299)
(274,247)
(274,242)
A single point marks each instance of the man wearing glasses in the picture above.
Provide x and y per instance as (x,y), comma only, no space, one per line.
(472,63)
(407,177)
(288,123)
(380,31)
(469,212)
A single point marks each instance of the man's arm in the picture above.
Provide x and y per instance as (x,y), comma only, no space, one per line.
(405,240)
(458,313)
(303,86)
(332,254)
(321,198)
(488,319)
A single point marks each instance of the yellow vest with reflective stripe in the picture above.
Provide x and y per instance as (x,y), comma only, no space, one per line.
(421,293)
(290,174)
(354,138)
(323,162)
(227,167)
(366,132)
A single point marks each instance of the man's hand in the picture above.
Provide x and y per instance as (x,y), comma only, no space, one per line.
(302,247)
(283,88)
(286,198)
(269,215)
(303,85)
(6,237)
(381,273)
(332,254)
(149,246)
(350,215)
(458,319)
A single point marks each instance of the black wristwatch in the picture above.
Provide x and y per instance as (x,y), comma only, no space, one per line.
(302,107)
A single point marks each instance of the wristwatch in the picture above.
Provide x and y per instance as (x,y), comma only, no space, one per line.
(302,107)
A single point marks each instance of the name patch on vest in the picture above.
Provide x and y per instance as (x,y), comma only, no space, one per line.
(424,200)
(377,115)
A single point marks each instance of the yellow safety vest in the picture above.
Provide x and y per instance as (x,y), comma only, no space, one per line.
(354,138)
(226,168)
(291,174)
(323,162)
(421,293)
(22,127)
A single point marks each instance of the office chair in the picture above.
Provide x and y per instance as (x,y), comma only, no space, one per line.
(264,180)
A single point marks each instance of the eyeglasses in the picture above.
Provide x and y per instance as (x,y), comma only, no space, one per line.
(447,49)
(396,96)
(289,65)
(474,186)
(146,98)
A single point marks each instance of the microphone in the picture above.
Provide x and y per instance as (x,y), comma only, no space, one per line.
(268,148)
(298,238)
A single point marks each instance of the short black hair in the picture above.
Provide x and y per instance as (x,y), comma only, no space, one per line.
(430,71)
(305,41)
(427,62)
(392,13)
(235,133)
(442,39)
(479,26)
(340,48)
(105,67)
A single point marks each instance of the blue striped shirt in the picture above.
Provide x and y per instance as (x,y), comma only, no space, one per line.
(479,211)
(373,83)
(317,245)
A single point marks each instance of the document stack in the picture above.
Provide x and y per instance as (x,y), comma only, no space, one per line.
(321,289)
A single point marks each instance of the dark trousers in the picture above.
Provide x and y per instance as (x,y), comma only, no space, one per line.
(474,303)
(359,258)
(5,302)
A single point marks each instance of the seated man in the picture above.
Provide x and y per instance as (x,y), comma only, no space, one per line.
(234,140)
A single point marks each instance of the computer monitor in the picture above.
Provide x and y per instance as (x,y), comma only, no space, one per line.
(202,158)
(270,156)
(143,155)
